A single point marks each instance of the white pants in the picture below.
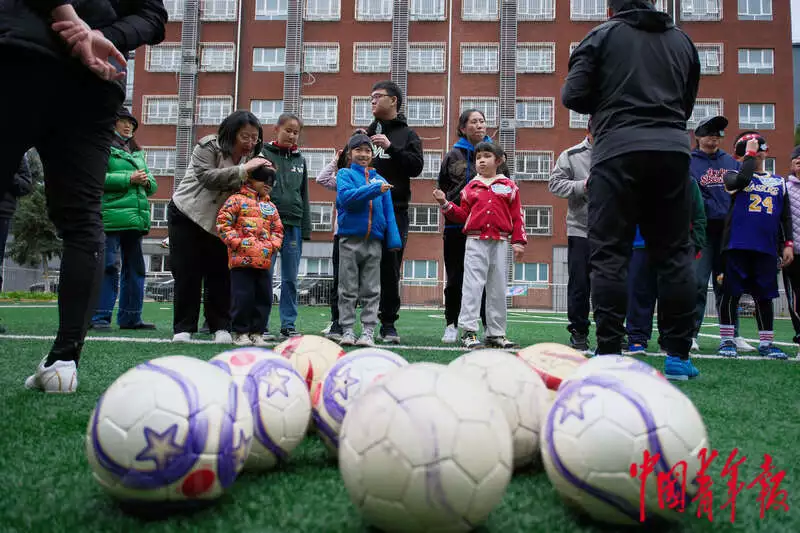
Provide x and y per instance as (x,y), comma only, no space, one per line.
(485,265)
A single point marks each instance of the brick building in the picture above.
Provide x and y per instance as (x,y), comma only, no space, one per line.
(320,58)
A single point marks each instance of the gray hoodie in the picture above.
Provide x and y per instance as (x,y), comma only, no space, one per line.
(568,180)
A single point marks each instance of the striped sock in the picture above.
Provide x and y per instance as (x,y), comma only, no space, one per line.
(726,332)
(765,338)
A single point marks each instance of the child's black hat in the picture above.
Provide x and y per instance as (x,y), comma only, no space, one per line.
(265,174)
(711,126)
(357,140)
(740,147)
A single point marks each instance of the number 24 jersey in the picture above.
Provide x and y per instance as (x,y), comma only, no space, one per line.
(756,211)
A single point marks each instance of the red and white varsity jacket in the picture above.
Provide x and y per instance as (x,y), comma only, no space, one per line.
(490,211)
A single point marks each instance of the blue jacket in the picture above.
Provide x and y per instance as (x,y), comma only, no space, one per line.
(363,211)
(708,171)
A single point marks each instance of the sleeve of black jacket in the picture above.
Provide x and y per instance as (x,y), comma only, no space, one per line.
(23,181)
(44,7)
(410,155)
(579,92)
(141,23)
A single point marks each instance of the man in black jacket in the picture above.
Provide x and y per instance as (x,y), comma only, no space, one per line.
(21,185)
(398,158)
(66,59)
(637,75)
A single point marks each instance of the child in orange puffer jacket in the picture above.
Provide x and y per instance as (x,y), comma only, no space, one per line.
(250,227)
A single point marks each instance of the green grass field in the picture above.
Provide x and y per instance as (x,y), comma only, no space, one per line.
(751,405)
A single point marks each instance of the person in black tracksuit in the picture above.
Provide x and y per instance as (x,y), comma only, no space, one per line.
(637,75)
(21,185)
(46,75)
(398,158)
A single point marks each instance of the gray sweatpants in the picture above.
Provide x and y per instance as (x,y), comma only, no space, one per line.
(359,279)
(485,265)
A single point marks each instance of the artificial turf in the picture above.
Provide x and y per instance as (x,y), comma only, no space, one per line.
(746,404)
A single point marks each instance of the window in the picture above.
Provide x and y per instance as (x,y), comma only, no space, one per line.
(160,160)
(757,116)
(321,57)
(488,104)
(316,159)
(769,165)
(535,112)
(360,111)
(211,110)
(272,9)
(480,58)
(426,10)
(536,58)
(323,10)
(269,59)
(533,165)
(158,213)
(431,166)
(373,10)
(267,111)
(321,216)
(318,110)
(159,263)
(315,267)
(479,10)
(578,121)
(426,57)
(572,47)
(130,73)
(756,61)
(588,10)
(423,218)
(538,220)
(755,9)
(700,10)
(420,272)
(704,108)
(160,110)
(165,57)
(662,5)
(218,10)
(217,57)
(174,10)
(711,58)
(425,111)
(372,57)
(536,9)
(532,272)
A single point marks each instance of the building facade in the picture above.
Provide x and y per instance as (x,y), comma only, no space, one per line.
(321,57)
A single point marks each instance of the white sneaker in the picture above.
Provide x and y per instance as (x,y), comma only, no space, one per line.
(269,337)
(223,337)
(258,340)
(182,337)
(366,338)
(327,329)
(59,378)
(742,346)
(348,338)
(242,339)
(695,347)
(450,334)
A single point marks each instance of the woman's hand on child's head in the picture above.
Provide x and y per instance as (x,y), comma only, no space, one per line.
(439,196)
(519,251)
(255,163)
(386,187)
(753,145)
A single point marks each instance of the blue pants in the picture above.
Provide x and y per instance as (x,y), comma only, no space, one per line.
(290,253)
(124,276)
(642,295)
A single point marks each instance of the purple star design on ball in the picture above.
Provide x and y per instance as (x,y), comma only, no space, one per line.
(161,447)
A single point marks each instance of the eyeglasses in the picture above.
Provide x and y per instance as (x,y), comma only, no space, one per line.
(377,96)
(245,137)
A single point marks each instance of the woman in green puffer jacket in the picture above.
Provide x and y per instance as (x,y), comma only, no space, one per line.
(126,218)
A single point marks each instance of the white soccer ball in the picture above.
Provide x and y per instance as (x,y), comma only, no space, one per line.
(171,429)
(519,391)
(554,362)
(611,364)
(278,399)
(601,425)
(424,450)
(344,383)
(311,355)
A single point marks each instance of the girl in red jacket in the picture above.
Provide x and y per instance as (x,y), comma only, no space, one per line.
(491,212)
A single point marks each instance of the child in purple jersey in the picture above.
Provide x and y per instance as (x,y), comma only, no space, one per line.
(756,228)
(791,272)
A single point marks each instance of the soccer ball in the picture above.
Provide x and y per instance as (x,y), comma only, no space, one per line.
(423,449)
(311,356)
(611,364)
(344,382)
(171,429)
(519,391)
(554,362)
(602,425)
(278,399)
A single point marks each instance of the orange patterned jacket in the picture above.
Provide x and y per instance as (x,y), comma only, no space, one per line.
(250,227)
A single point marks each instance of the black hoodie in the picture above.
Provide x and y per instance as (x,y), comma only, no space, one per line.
(400,162)
(637,75)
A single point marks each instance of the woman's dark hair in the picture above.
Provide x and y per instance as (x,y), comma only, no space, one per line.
(133,145)
(226,135)
(286,117)
(463,118)
(342,161)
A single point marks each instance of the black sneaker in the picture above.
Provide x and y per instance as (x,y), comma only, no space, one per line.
(500,342)
(388,334)
(335,332)
(289,332)
(579,341)
(470,340)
